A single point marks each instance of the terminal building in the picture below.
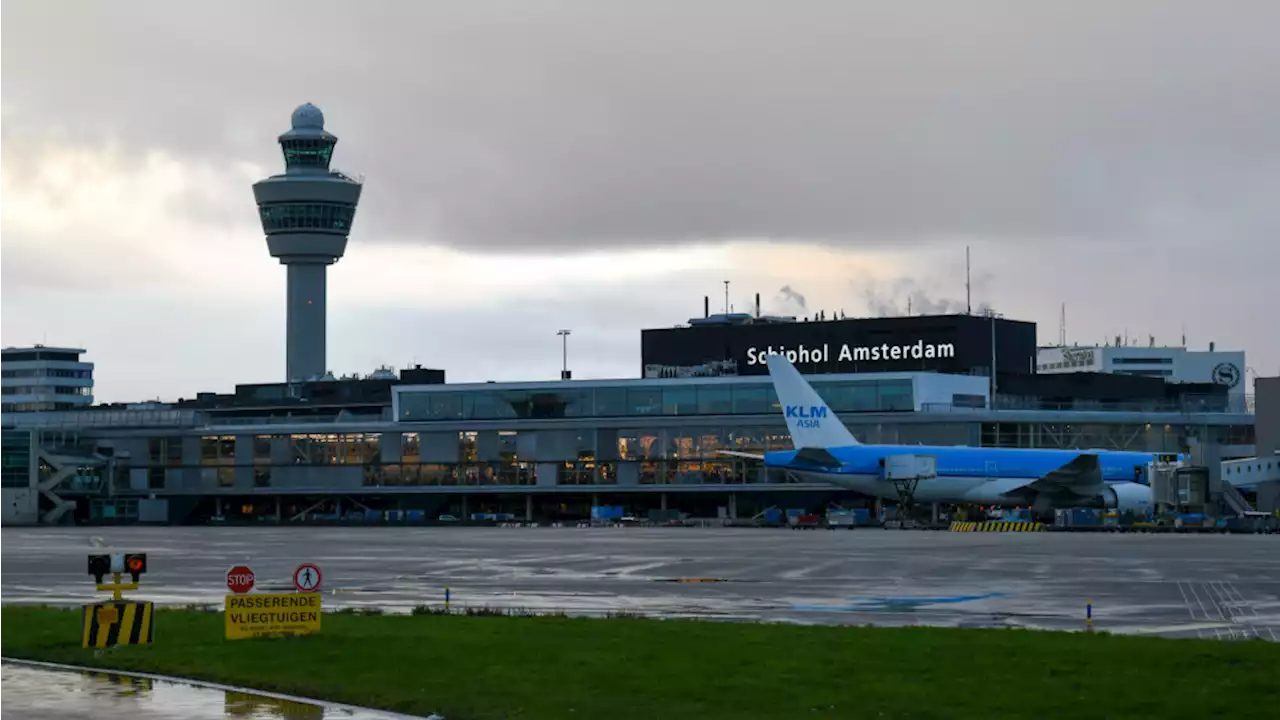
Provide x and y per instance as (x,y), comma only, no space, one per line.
(407,441)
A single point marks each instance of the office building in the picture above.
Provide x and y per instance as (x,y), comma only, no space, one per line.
(42,378)
(1172,364)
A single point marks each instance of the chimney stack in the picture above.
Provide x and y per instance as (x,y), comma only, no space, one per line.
(757,305)
(706,306)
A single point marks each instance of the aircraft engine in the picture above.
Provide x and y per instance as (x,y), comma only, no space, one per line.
(1127,496)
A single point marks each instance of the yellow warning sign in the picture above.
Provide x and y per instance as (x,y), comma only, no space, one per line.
(250,616)
(109,624)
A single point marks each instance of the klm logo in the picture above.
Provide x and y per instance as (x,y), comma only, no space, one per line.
(807,416)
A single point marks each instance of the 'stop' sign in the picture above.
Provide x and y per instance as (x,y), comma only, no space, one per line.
(240,579)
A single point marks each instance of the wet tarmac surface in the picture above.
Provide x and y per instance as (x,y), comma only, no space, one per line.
(1211,586)
(36,694)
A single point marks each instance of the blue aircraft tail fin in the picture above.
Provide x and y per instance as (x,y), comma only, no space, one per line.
(811,422)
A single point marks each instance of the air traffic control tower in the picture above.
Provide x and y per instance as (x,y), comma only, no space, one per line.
(306,214)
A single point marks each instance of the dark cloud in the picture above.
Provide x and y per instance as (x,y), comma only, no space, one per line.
(572,125)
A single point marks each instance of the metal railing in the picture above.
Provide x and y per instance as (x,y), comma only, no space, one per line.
(88,419)
(1243,404)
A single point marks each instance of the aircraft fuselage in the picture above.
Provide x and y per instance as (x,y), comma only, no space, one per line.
(995,476)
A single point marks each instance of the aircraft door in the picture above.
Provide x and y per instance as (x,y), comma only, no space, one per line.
(991,469)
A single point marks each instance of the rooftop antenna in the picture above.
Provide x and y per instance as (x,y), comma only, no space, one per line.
(968,294)
(1062,327)
(726,297)
(908,305)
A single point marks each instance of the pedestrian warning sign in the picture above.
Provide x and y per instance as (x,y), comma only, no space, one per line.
(307,578)
(250,616)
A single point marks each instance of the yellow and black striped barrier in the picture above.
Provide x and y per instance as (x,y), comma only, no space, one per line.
(108,624)
(997,526)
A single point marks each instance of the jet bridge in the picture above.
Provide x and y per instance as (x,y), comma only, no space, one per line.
(1177,486)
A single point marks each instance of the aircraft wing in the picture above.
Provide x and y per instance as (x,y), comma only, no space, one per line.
(1084,471)
(818,457)
(739,453)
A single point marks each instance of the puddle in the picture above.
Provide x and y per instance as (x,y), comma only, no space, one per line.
(38,693)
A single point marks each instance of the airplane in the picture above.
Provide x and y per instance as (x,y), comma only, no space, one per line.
(1043,480)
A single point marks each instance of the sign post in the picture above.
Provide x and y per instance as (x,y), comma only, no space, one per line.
(116,622)
(306,578)
(272,614)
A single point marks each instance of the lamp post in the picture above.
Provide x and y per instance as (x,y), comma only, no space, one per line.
(993,316)
(564,337)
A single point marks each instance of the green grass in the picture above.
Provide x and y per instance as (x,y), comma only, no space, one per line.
(470,668)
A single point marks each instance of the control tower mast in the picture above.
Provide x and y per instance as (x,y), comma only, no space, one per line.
(307,214)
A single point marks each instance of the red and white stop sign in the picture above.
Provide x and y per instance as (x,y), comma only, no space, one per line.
(240,579)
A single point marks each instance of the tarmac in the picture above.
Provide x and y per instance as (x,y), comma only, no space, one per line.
(1207,586)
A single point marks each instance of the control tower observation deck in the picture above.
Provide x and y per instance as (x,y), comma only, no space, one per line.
(307,214)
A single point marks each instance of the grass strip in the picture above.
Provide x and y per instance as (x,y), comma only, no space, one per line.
(475,668)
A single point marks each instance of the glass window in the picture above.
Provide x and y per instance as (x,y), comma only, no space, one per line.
(710,441)
(307,152)
(896,395)
(755,400)
(611,402)
(445,406)
(559,403)
(467,446)
(481,406)
(638,444)
(644,401)
(840,396)
(306,216)
(862,397)
(680,401)
(715,400)
(682,444)
(415,406)
(409,448)
(262,448)
(508,446)
(17,458)
(515,402)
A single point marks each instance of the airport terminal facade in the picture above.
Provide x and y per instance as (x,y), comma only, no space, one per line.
(550,450)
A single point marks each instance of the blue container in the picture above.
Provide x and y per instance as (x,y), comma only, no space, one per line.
(416,515)
(861,516)
(773,515)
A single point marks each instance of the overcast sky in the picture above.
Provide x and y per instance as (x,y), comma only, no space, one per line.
(601,166)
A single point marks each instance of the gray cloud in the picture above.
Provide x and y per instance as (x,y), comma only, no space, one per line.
(905,296)
(572,125)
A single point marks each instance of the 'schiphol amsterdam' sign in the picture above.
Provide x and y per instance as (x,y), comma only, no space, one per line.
(807,355)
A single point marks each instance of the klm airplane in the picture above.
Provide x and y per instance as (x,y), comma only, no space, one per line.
(825,451)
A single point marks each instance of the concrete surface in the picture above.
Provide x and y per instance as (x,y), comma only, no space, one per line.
(41,694)
(1212,586)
